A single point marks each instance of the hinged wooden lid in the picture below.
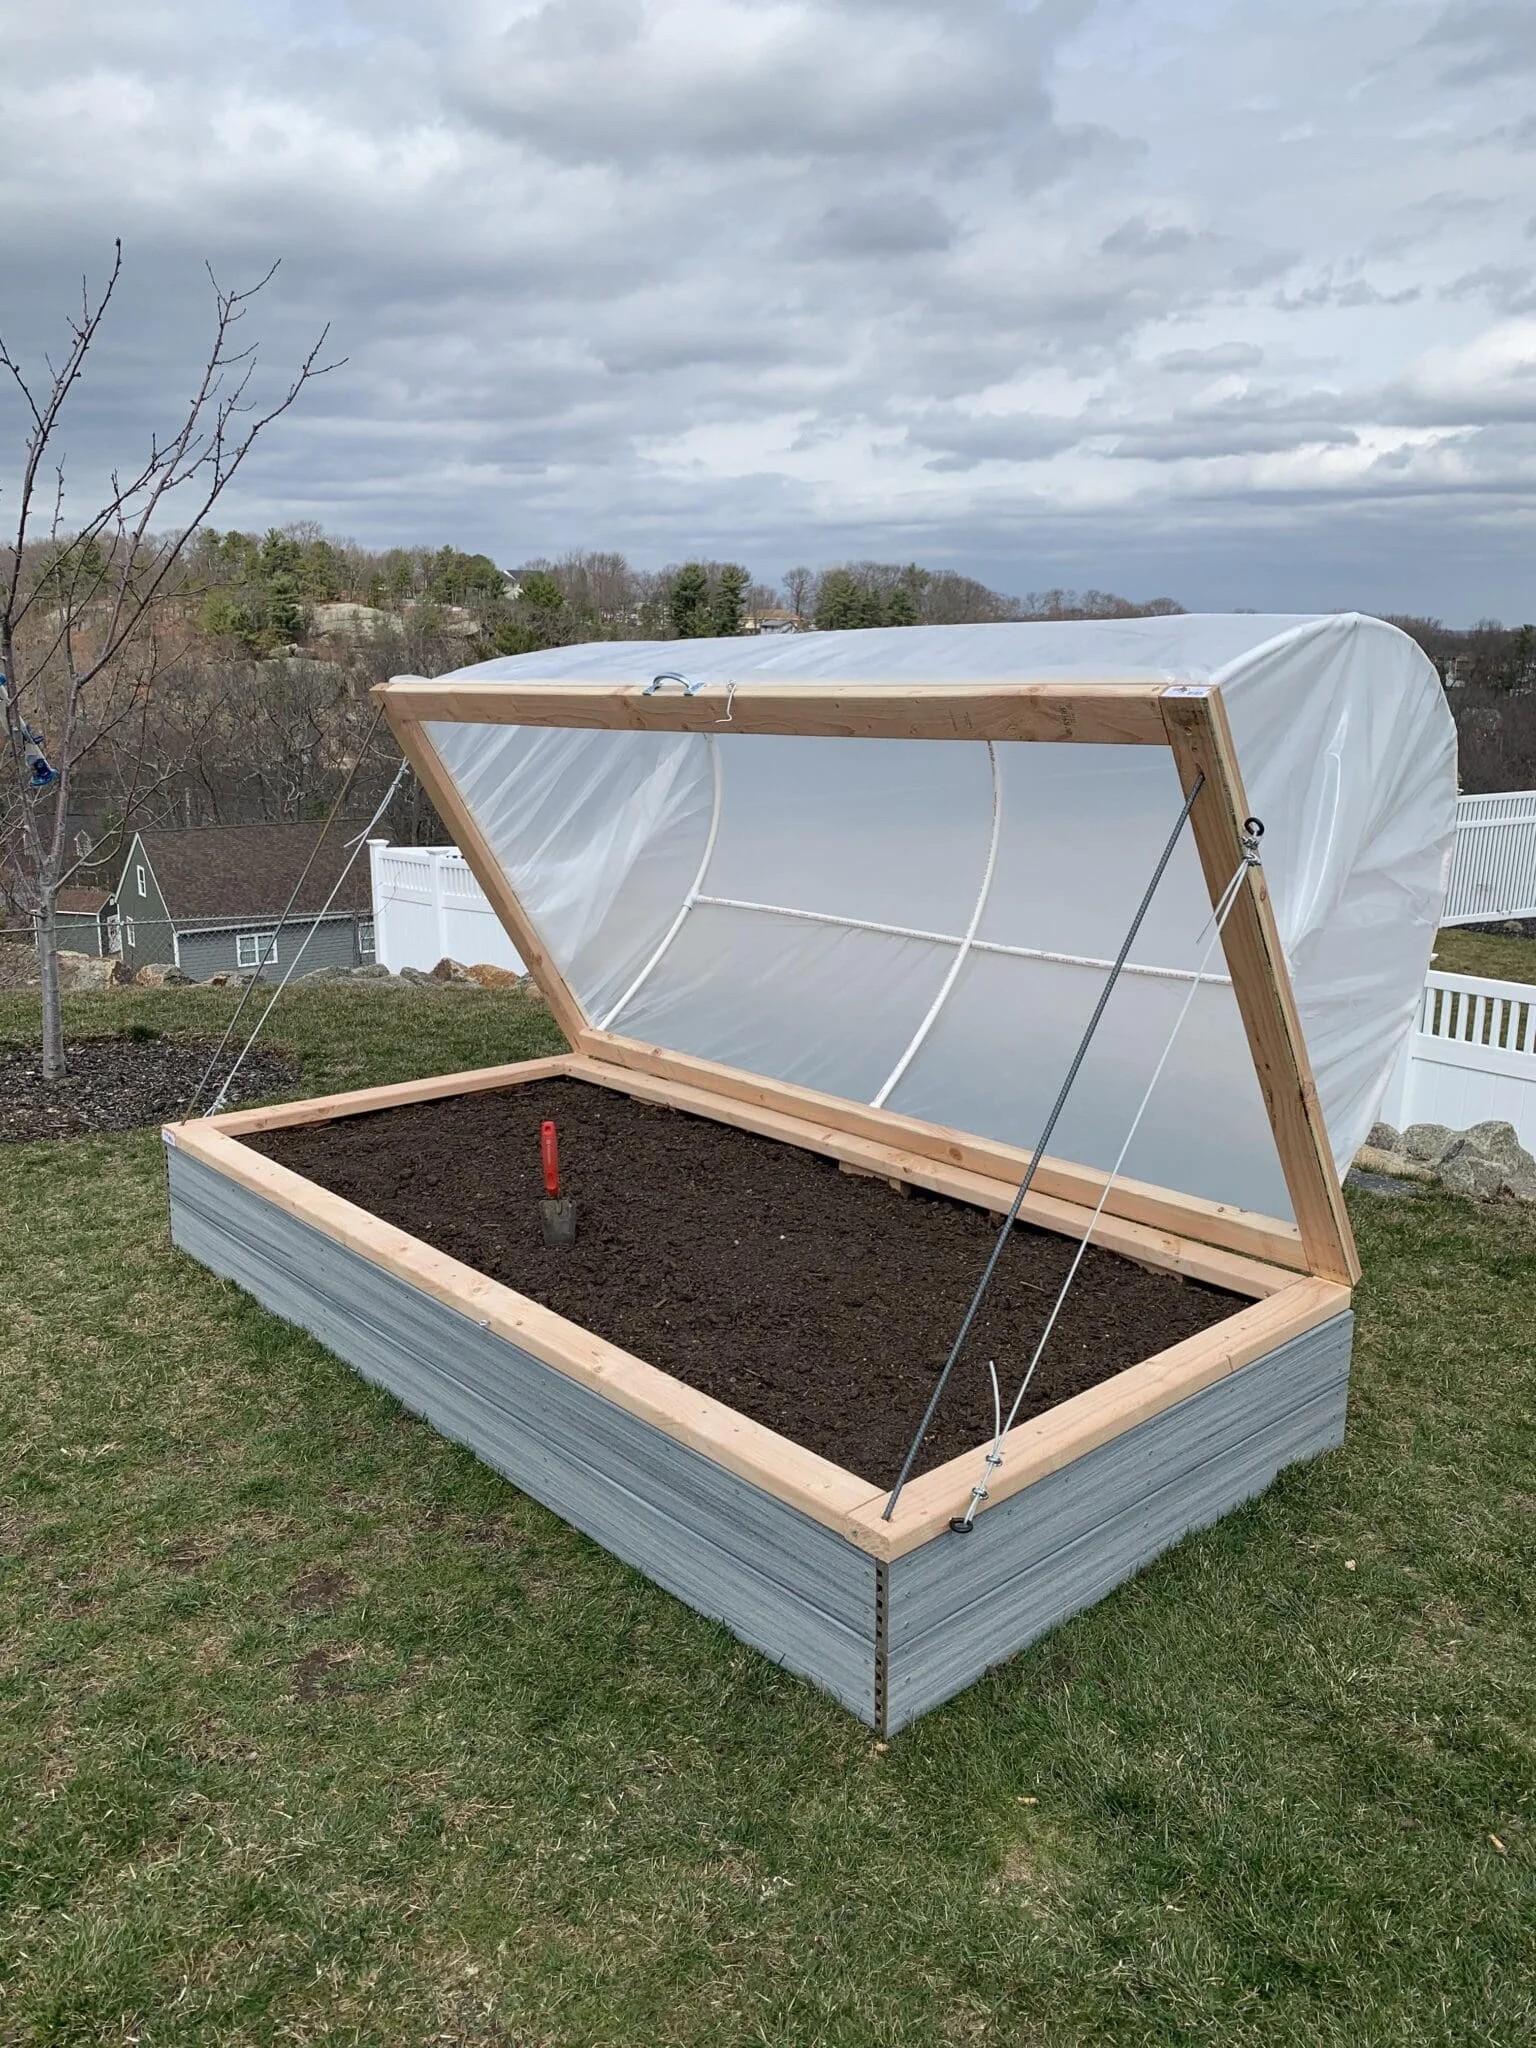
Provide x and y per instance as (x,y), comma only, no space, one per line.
(1188,720)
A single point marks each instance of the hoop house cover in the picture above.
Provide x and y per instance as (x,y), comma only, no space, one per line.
(925,925)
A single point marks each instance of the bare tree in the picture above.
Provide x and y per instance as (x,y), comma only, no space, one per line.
(799,588)
(80,603)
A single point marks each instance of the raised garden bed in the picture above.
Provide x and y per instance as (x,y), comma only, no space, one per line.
(861,901)
(734,1503)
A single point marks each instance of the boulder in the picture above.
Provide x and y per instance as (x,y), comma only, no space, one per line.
(325,974)
(485,976)
(83,971)
(453,973)
(1465,1171)
(1488,1161)
(1428,1143)
(1501,1141)
(158,974)
(1383,1138)
(374,971)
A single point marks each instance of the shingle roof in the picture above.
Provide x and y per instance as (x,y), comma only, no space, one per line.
(248,871)
(82,902)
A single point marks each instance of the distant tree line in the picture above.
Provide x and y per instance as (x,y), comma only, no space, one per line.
(1487,656)
(262,705)
(260,594)
(1489,673)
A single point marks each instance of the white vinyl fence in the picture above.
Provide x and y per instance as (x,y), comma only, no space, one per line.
(1493,870)
(1470,1057)
(427,906)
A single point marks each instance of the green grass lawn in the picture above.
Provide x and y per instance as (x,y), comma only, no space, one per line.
(313,1730)
(1496,956)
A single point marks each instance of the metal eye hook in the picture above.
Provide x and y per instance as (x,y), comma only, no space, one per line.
(670,675)
(730,698)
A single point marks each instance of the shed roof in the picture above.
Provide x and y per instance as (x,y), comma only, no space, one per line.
(248,872)
(83,902)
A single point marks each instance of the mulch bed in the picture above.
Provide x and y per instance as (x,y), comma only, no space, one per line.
(119,1084)
(819,1303)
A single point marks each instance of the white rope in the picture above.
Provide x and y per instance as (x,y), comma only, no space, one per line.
(356,845)
(1217,919)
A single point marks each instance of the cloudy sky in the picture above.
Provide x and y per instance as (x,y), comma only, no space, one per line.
(1231,302)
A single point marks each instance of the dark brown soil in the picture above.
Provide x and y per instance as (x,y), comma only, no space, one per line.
(117,1084)
(821,1304)
(317,1675)
(319,1587)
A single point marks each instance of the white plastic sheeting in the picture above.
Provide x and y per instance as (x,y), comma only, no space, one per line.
(927,924)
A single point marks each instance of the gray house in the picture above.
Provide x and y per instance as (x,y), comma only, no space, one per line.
(86,920)
(212,901)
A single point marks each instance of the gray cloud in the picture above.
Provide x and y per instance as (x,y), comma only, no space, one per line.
(1511,288)
(802,280)
(1218,360)
(964,440)
(882,225)
(1492,39)
(596,80)
(1140,238)
(1345,292)
(1201,440)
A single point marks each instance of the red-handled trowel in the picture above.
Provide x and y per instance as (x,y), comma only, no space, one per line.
(557,1218)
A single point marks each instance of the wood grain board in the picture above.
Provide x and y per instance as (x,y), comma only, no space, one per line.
(1202,745)
(1107,713)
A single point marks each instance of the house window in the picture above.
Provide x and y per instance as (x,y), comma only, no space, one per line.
(138,876)
(128,939)
(365,938)
(255,949)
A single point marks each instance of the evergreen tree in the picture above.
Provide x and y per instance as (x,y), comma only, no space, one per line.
(77,570)
(281,555)
(285,616)
(318,575)
(839,602)
(688,602)
(730,599)
(225,618)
